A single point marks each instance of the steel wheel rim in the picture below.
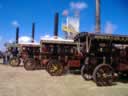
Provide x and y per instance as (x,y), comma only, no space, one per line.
(104,77)
(29,64)
(14,62)
(53,68)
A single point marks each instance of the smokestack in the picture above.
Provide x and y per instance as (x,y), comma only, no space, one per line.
(17,35)
(56,21)
(97,16)
(33,31)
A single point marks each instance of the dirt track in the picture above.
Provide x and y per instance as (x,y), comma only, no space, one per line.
(15,81)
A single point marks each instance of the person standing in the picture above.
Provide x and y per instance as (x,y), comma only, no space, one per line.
(8,55)
(5,57)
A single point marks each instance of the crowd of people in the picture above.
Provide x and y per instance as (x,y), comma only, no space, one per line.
(8,54)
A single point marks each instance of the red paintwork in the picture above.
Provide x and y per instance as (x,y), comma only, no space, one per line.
(44,62)
(80,55)
(24,55)
(44,49)
(74,63)
(36,56)
(123,61)
(122,67)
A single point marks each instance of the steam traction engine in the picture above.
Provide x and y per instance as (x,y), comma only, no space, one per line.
(105,57)
(56,54)
(25,52)
(59,55)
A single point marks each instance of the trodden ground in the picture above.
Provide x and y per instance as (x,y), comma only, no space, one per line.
(16,81)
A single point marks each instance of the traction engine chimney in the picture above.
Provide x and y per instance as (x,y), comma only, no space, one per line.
(97,29)
(33,31)
(56,21)
(17,35)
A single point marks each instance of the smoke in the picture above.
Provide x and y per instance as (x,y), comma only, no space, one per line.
(15,23)
(65,12)
(25,39)
(78,5)
(110,27)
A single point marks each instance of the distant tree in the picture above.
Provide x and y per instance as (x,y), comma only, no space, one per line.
(8,44)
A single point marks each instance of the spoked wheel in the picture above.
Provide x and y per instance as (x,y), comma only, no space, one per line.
(85,72)
(55,68)
(88,67)
(103,75)
(15,61)
(30,64)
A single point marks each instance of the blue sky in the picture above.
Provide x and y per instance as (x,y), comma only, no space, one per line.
(114,16)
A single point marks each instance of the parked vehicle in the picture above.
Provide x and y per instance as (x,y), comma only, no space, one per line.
(60,54)
(106,57)
(100,57)
(57,55)
(23,52)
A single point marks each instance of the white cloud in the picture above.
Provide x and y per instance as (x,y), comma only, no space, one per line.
(11,41)
(25,39)
(46,36)
(65,12)
(110,27)
(15,23)
(78,5)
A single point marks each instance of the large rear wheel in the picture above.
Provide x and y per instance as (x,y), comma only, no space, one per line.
(30,64)
(103,75)
(15,61)
(55,68)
